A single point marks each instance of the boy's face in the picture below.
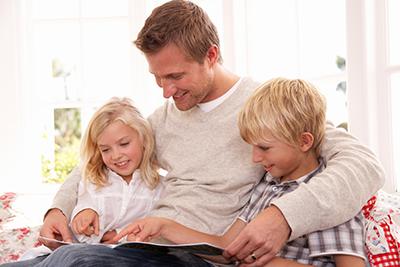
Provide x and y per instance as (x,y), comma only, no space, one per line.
(186,81)
(281,160)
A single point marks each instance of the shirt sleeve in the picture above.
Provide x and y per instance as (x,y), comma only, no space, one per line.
(352,175)
(86,201)
(344,239)
(66,197)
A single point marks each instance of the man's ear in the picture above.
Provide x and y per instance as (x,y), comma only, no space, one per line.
(212,54)
(306,141)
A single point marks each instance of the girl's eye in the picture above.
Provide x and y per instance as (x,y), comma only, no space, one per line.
(104,150)
(124,144)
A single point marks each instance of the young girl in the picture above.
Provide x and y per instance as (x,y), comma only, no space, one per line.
(120,181)
(120,174)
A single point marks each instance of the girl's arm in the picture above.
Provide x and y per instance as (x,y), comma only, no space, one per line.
(153,227)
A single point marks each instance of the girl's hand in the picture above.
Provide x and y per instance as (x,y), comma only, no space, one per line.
(142,230)
(86,222)
(108,237)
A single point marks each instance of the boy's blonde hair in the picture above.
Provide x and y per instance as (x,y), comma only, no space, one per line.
(286,108)
(117,109)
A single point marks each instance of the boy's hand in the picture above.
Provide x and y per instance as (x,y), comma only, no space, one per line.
(55,226)
(141,230)
(86,222)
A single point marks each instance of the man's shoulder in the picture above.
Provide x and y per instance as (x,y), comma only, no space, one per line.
(248,85)
(160,112)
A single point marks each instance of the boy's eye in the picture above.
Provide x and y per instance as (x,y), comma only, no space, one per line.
(263,148)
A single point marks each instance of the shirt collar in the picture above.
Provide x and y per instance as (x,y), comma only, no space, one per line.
(302,179)
(208,106)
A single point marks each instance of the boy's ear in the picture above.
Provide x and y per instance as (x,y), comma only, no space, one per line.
(306,141)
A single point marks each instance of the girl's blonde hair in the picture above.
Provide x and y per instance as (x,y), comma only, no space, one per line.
(286,108)
(118,109)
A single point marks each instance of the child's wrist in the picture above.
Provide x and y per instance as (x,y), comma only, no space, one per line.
(165,228)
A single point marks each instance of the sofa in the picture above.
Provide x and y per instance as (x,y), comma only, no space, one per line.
(14,241)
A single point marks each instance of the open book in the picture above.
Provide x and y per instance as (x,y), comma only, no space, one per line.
(207,250)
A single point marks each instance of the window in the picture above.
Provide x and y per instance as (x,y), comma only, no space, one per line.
(67,57)
(294,39)
(373,80)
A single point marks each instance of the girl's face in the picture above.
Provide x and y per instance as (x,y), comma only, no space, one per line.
(121,149)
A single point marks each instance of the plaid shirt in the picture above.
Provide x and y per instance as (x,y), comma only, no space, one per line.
(317,248)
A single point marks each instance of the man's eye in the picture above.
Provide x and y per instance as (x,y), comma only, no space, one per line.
(177,76)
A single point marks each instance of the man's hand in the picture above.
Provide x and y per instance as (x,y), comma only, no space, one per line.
(86,222)
(261,239)
(55,226)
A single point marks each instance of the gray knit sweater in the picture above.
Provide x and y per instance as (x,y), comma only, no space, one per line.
(210,173)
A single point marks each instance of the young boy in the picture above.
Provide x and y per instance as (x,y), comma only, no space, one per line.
(284,121)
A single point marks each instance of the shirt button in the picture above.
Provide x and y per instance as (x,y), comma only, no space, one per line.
(274,189)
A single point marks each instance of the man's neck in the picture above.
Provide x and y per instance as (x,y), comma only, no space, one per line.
(224,80)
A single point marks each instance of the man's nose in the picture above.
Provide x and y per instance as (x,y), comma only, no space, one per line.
(169,89)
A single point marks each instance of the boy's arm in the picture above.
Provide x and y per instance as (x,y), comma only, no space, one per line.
(352,176)
(347,260)
(281,262)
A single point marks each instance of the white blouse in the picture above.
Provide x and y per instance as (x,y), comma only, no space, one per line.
(117,203)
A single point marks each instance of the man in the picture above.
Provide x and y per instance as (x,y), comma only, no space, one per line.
(210,174)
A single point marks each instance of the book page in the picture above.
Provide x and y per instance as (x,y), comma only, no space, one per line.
(207,250)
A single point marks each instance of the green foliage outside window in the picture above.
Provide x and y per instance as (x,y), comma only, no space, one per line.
(67,126)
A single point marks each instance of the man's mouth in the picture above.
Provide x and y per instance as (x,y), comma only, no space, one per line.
(179,95)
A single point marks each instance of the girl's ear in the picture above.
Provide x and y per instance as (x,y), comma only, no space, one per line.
(306,141)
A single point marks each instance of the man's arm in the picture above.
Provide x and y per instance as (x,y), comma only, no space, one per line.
(55,223)
(352,175)
(66,197)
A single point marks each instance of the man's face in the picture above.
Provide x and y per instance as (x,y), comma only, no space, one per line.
(186,81)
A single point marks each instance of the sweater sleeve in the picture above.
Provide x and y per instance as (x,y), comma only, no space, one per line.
(352,175)
(66,197)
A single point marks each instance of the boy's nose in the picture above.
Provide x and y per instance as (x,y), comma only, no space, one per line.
(256,155)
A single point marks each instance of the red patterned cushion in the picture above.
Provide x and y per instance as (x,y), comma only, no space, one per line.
(381,243)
